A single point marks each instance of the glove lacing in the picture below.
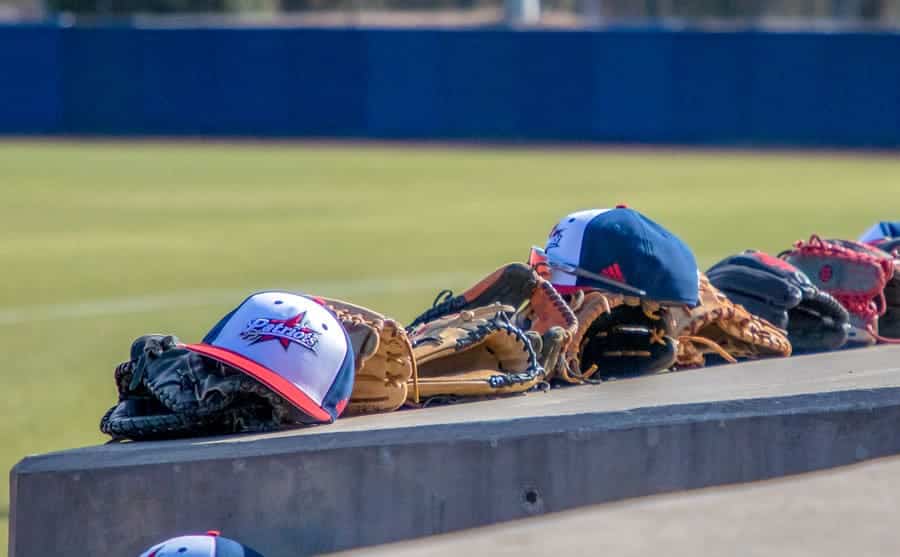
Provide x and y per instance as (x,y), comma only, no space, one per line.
(710,344)
(444,303)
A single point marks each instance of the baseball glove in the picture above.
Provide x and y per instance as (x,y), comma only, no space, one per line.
(617,335)
(890,246)
(778,292)
(537,308)
(855,274)
(718,326)
(167,391)
(476,352)
(385,366)
(889,323)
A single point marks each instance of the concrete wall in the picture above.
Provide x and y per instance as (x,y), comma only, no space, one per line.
(294,495)
(650,86)
(374,479)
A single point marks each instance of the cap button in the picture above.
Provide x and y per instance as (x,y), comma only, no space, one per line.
(621,206)
(213,533)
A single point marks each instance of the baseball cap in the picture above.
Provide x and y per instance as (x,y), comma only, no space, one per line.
(622,246)
(290,343)
(881,231)
(210,544)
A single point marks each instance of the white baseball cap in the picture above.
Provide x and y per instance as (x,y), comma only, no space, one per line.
(290,343)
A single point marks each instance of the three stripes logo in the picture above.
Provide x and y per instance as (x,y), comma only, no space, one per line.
(613,272)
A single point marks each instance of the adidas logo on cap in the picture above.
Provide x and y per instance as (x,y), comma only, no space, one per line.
(623,245)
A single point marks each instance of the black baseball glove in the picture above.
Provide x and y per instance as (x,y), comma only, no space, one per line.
(889,323)
(778,292)
(167,391)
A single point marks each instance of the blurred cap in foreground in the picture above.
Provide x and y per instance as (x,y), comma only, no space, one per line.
(881,231)
(210,544)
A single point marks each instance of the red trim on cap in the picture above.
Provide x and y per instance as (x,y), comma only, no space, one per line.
(268,377)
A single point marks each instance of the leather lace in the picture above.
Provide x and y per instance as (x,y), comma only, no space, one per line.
(710,344)
(444,303)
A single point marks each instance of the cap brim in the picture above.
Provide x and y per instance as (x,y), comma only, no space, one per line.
(266,376)
(567,289)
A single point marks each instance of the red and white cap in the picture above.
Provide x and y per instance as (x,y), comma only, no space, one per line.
(290,343)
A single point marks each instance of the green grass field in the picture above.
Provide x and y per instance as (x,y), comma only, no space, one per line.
(101,243)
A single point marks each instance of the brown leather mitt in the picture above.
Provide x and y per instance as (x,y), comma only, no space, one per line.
(537,308)
(718,326)
(385,367)
(477,352)
(617,335)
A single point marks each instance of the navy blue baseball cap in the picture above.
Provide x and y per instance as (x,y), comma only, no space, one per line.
(600,248)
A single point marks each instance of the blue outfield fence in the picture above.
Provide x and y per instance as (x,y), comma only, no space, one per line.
(651,86)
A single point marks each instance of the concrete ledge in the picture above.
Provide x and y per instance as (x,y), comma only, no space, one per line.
(379,479)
